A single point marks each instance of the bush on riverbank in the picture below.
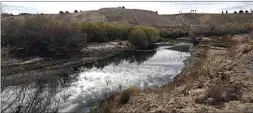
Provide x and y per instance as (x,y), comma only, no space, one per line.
(210,30)
(41,36)
(173,33)
(225,29)
(143,37)
(229,28)
(140,36)
(104,31)
(38,36)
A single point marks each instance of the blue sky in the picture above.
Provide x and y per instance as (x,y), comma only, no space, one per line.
(161,7)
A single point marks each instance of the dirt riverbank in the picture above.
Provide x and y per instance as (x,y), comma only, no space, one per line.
(19,71)
(219,78)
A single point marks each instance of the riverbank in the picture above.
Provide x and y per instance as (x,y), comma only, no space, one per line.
(218,79)
(23,71)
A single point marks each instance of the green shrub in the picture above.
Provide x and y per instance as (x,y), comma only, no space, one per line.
(105,31)
(151,33)
(138,38)
(143,36)
(39,36)
(118,30)
(173,33)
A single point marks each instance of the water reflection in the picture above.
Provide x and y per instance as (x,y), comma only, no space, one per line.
(141,69)
(80,91)
(131,57)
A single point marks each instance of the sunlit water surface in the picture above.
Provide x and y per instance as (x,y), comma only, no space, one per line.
(80,91)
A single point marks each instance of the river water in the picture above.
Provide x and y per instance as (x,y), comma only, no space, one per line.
(80,91)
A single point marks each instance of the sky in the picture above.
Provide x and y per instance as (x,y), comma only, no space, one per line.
(172,7)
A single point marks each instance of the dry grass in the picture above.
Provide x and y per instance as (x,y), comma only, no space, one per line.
(206,85)
(220,89)
(220,92)
(248,47)
(134,91)
(116,100)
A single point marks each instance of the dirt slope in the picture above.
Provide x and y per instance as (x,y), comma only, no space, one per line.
(135,16)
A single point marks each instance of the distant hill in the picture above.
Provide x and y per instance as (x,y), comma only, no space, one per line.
(133,16)
(149,18)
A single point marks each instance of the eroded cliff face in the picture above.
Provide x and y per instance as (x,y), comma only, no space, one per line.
(219,79)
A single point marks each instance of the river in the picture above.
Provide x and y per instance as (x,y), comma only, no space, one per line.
(81,90)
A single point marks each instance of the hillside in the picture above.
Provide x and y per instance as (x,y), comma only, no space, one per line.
(150,18)
(208,19)
(133,16)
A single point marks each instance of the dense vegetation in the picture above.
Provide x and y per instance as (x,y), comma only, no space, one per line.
(173,33)
(40,36)
(229,28)
(140,36)
(211,30)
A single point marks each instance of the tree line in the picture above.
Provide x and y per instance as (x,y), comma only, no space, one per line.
(240,11)
(67,12)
